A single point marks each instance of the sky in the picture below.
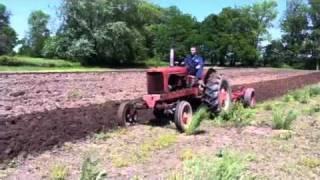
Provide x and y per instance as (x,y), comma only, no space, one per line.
(20,10)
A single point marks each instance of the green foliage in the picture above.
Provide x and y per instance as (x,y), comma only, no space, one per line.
(314,109)
(104,32)
(197,118)
(8,37)
(227,166)
(59,172)
(178,30)
(238,116)
(90,170)
(288,98)
(282,119)
(302,96)
(38,33)
(314,91)
(35,62)
(233,35)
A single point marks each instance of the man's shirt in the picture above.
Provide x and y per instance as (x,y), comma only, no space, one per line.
(194,65)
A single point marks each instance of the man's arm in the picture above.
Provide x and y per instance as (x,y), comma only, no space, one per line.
(199,68)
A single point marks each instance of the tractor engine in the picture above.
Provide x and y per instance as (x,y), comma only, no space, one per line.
(164,80)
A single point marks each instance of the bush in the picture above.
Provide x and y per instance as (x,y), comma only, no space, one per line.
(238,116)
(282,119)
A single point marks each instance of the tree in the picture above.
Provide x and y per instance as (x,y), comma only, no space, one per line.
(264,13)
(295,26)
(178,31)
(8,36)
(37,35)
(231,36)
(105,32)
(274,54)
(315,36)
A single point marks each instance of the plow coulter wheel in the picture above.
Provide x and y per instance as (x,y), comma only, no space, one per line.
(127,113)
(249,99)
(183,116)
(217,94)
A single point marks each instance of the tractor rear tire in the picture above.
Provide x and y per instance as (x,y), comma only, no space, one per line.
(217,94)
(183,116)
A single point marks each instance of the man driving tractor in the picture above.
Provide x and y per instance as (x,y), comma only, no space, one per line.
(195,65)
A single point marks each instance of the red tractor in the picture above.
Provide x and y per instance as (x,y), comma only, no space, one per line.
(173,94)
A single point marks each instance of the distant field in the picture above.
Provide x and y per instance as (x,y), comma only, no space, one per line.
(28,64)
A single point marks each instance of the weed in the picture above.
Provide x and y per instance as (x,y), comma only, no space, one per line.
(282,119)
(160,143)
(284,135)
(90,170)
(302,96)
(310,162)
(59,172)
(187,154)
(102,136)
(200,115)
(238,116)
(267,107)
(313,110)
(143,151)
(120,162)
(314,91)
(288,98)
(74,94)
(228,166)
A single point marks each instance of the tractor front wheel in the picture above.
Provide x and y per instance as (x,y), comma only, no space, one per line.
(183,116)
(127,113)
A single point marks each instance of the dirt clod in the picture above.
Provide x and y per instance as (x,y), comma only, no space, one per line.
(17,94)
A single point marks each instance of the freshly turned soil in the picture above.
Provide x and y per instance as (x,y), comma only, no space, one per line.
(40,111)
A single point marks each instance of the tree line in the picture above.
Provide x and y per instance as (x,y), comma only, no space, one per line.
(125,32)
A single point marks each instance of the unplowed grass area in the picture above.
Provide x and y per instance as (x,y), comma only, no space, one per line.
(279,139)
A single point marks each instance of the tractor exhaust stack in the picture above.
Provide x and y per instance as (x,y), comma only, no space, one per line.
(171,57)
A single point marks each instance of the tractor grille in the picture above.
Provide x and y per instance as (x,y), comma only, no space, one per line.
(155,83)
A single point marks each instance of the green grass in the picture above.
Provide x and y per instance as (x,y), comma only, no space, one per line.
(155,62)
(223,167)
(29,64)
(22,69)
(36,62)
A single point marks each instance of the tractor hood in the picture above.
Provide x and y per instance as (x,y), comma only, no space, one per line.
(169,70)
